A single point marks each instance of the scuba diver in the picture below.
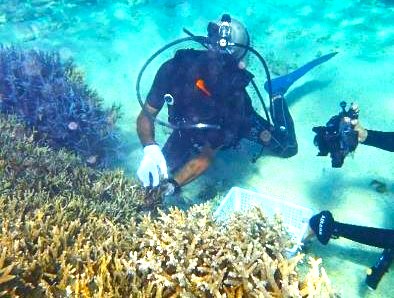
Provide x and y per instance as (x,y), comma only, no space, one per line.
(209,108)
(331,139)
(323,224)
(343,132)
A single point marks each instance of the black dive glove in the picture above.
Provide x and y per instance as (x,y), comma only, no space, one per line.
(323,226)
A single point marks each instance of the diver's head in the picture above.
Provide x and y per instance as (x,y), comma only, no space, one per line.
(227,32)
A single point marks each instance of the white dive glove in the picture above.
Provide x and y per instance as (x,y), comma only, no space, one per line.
(153,164)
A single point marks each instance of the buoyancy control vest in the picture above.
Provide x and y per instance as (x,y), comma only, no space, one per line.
(207,87)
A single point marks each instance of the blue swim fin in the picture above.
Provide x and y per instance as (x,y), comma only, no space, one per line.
(280,85)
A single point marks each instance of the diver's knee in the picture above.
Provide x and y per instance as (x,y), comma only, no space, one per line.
(284,145)
(289,151)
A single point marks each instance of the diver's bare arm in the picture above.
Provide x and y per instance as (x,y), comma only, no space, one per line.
(195,167)
(145,125)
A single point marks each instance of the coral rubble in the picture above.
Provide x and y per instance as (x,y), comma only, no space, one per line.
(71,231)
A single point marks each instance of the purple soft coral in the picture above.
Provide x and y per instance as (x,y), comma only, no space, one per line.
(50,96)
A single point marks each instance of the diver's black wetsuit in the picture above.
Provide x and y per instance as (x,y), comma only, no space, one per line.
(379,139)
(222,101)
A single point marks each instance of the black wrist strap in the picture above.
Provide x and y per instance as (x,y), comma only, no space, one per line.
(149,143)
(177,187)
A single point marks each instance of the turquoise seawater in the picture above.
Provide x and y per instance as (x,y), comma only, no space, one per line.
(111,40)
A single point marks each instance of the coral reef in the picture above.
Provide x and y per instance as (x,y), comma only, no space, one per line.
(28,168)
(190,255)
(49,252)
(71,231)
(50,95)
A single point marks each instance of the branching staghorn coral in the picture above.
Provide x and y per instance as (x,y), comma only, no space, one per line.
(83,234)
(49,253)
(190,255)
(26,167)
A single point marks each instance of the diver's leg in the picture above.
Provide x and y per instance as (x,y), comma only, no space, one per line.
(185,159)
(177,150)
(254,127)
(283,138)
(195,166)
(280,138)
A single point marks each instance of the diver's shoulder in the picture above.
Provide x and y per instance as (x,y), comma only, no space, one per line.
(188,54)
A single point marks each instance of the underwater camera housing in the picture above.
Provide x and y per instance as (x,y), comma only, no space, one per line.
(338,138)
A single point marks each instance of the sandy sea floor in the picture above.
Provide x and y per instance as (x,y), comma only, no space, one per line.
(111,41)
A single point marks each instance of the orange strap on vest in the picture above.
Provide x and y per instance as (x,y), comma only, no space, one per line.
(200,84)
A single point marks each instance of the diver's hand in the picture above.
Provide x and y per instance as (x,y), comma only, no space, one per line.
(322,225)
(153,166)
(361,131)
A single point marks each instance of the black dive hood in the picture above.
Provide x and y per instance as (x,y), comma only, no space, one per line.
(205,42)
